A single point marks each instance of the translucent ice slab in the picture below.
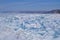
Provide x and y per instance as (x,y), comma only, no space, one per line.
(30,27)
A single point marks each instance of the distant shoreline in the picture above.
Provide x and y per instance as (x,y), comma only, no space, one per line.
(41,12)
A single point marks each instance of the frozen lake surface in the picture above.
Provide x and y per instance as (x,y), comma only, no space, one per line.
(29,26)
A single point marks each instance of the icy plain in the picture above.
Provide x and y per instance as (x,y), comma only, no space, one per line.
(29,26)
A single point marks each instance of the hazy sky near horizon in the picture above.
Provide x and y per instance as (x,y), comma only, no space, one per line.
(19,5)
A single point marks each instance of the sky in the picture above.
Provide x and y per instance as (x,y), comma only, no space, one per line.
(24,5)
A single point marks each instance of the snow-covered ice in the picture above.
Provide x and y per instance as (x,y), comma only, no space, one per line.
(29,26)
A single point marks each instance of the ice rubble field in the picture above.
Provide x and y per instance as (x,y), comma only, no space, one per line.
(30,27)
